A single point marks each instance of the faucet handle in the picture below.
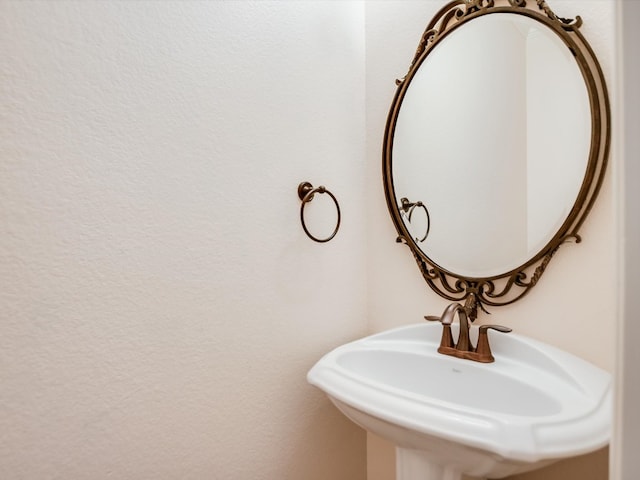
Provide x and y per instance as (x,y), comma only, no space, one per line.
(499,328)
(447,338)
(436,318)
(483,350)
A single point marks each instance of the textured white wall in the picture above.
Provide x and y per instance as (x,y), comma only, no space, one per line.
(160,304)
(573,306)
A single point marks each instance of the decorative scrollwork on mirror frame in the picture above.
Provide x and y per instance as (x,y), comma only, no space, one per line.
(488,292)
(511,286)
(458,11)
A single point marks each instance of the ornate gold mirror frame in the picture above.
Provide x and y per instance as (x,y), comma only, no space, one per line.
(510,286)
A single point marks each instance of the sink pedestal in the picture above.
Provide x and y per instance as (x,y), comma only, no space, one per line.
(415,465)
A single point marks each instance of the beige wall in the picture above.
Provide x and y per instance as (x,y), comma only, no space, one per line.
(574,305)
(160,304)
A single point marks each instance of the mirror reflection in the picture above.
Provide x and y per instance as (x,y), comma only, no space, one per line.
(493,138)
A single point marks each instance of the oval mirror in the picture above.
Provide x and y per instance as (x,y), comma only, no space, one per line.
(495,146)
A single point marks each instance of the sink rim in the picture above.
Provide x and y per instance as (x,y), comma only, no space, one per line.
(575,430)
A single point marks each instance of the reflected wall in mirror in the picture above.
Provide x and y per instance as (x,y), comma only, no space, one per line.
(500,133)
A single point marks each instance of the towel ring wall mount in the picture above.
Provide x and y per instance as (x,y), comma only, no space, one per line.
(306,193)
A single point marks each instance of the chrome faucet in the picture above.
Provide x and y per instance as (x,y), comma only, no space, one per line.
(463,348)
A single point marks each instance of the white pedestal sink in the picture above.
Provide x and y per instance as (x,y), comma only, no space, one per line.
(448,417)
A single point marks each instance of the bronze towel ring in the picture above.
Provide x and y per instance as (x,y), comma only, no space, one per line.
(306,193)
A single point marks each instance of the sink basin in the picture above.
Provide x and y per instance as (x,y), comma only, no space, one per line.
(448,417)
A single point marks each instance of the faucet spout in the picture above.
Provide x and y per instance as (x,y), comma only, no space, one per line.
(463,343)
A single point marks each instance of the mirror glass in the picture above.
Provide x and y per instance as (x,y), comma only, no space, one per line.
(493,137)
